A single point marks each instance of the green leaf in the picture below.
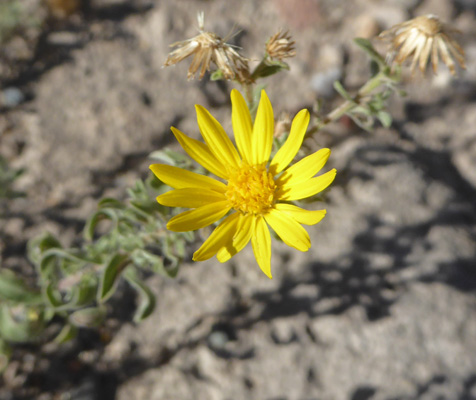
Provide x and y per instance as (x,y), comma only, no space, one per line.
(98,216)
(385,118)
(91,317)
(268,67)
(5,354)
(146,297)
(110,275)
(20,323)
(67,333)
(366,46)
(52,295)
(14,289)
(217,75)
(341,90)
(109,202)
(38,245)
(81,295)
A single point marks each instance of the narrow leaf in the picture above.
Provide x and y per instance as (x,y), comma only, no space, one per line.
(91,317)
(366,46)
(146,298)
(341,90)
(110,275)
(385,118)
(66,334)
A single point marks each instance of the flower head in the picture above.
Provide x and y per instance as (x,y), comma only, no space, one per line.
(208,47)
(280,46)
(424,37)
(256,190)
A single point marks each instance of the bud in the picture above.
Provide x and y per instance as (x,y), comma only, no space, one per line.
(280,46)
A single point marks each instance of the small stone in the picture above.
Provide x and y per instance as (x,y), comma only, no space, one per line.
(323,82)
(11,97)
(218,339)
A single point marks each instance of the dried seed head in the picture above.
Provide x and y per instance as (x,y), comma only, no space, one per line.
(208,47)
(280,46)
(423,38)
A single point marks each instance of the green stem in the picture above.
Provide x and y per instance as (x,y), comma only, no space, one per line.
(248,87)
(349,105)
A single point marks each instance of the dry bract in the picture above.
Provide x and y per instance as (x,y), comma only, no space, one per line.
(423,38)
(207,47)
(281,46)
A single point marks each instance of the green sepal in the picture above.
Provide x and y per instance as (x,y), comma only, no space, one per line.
(268,67)
(217,75)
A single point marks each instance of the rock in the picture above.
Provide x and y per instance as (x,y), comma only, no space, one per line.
(11,97)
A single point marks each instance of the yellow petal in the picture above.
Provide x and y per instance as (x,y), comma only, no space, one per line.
(179,178)
(293,143)
(242,127)
(219,237)
(216,138)
(305,168)
(198,218)
(289,230)
(200,153)
(302,216)
(307,188)
(262,139)
(261,242)
(240,239)
(190,197)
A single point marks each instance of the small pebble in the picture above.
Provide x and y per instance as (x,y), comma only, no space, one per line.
(11,97)
(323,82)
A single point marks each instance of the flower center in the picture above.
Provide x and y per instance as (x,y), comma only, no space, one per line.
(251,189)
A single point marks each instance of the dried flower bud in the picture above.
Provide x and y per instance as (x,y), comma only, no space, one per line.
(283,124)
(280,46)
(424,37)
(208,47)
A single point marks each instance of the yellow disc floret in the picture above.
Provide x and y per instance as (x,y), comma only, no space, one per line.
(251,189)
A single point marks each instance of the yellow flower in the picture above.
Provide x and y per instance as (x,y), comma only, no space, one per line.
(259,193)
(424,37)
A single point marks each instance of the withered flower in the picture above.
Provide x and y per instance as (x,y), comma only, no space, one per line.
(208,47)
(424,37)
(280,46)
